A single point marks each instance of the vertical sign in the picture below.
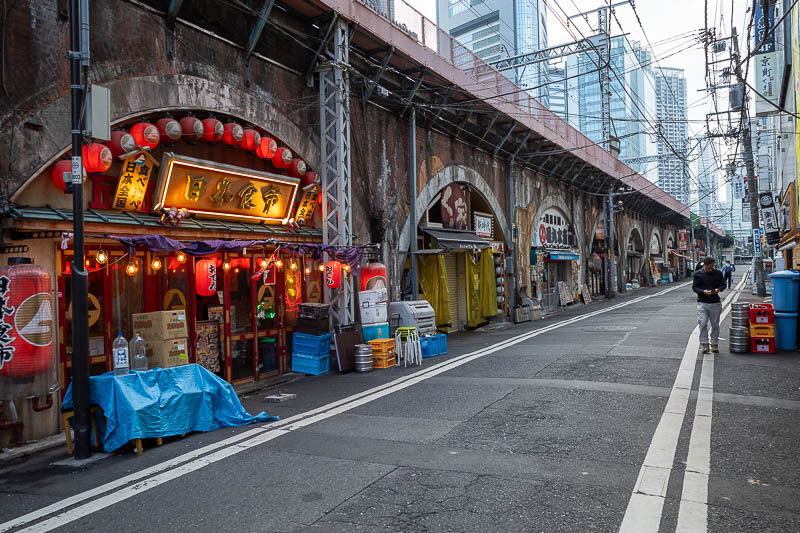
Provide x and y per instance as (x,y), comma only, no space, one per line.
(738,187)
(756,243)
(766,60)
(683,240)
(764,21)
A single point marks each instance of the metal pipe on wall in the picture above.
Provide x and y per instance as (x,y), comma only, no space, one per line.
(412,193)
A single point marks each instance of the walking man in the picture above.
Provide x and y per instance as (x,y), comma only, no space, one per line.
(708,283)
(727,273)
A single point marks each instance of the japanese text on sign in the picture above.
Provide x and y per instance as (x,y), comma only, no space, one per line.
(483,225)
(306,208)
(6,348)
(134,178)
(738,187)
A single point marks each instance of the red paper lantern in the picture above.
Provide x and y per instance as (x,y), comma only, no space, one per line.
(233,134)
(373,276)
(282,158)
(29,312)
(213,130)
(251,140)
(205,279)
(333,274)
(63,166)
(266,148)
(309,178)
(169,129)
(146,135)
(296,168)
(121,142)
(96,157)
(192,128)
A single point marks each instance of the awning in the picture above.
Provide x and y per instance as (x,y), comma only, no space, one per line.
(454,239)
(563,256)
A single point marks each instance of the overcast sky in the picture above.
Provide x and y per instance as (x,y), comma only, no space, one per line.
(665,23)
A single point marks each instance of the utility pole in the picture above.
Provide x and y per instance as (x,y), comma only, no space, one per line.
(747,153)
(78,56)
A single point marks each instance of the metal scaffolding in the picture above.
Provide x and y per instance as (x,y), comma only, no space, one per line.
(334,110)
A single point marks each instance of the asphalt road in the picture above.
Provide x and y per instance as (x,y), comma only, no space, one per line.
(602,418)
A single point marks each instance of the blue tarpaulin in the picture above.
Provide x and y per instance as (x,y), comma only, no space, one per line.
(164,402)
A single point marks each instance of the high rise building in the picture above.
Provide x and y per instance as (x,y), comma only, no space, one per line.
(494,29)
(632,99)
(671,114)
(706,171)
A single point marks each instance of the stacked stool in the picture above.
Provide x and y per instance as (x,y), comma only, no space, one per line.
(407,346)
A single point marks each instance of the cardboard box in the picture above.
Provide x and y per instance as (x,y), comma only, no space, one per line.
(161,325)
(168,353)
(370,298)
(374,313)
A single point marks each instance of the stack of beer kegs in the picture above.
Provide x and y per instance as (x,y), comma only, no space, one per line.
(739,335)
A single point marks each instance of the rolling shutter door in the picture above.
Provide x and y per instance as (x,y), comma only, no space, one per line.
(451,268)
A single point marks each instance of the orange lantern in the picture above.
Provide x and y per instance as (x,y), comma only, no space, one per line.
(205,279)
(121,142)
(59,169)
(169,129)
(333,274)
(373,276)
(266,148)
(26,341)
(192,128)
(145,135)
(213,130)
(233,134)
(96,158)
(296,168)
(309,178)
(282,158)
(251,140)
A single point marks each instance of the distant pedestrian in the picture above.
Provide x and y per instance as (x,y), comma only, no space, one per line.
(727,273)
(708,283)
(699,266)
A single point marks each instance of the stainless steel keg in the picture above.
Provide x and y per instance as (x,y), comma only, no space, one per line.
(363,358)
(739,339)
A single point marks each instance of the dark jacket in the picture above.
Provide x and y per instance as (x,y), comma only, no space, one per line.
(704,281)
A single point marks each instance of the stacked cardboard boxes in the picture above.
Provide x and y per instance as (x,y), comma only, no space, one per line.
(165,337)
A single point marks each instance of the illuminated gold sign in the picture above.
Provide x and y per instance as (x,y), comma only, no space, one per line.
(137,168)
(308,202)
(215,190)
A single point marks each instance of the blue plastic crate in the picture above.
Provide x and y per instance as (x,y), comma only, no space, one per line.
(305,343)
(310,364)
(375,331)
(428,346)
(441,341)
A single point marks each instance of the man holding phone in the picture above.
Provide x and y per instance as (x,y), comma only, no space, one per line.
(708,283)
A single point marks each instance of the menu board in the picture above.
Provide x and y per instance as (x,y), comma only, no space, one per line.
(564,293)
(586,293)
(208,348)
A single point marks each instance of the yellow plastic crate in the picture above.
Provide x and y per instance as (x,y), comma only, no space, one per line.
(384,361)
(762,330)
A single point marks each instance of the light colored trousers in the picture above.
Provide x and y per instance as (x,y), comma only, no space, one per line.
(709,313)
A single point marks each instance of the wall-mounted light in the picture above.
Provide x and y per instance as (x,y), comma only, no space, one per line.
(155,264)
(181,257)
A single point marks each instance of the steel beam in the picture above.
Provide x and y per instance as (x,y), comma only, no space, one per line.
(258,28)
(488,129)
(414,90)
(444,101)
(521,144)
(169,21)
(320,48)
(505,138)
(463,123)
(375,78)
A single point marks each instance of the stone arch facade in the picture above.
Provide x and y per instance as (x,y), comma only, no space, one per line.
(131,97)
(649,245)
(444,177)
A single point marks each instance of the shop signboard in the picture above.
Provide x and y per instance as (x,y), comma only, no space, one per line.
(213,190)
(552,231)
(308,202)
(137,168)
(756,243)
(769,215)
(738,187)
(683,240)
(483,224)
(497,247)
(454,207)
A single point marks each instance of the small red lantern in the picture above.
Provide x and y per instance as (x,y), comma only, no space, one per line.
(266,148)
(169,130)
(121,142)
(213,130)
(309,178)
(251,140)
(28,316)
(333,274)
(206,277)
(233,134)
(282,158)
(96,158)
(296,168)
(192,128)
(373,276)
(59,169)
(146,135)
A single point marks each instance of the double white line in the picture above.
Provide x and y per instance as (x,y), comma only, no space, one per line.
(646,505)
(91,501)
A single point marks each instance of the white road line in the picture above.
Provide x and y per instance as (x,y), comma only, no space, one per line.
(693,510)
(174,468)
(646,505)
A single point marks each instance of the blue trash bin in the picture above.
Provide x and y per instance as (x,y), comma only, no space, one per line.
(785,290)
(785,331)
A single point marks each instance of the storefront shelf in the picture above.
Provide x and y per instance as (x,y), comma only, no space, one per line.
(310,364)
(311,344)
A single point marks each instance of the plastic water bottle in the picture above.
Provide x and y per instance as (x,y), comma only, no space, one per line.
(121,363)
(138,355)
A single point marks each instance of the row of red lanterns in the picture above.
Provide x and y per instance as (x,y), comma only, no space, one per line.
(99,157)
